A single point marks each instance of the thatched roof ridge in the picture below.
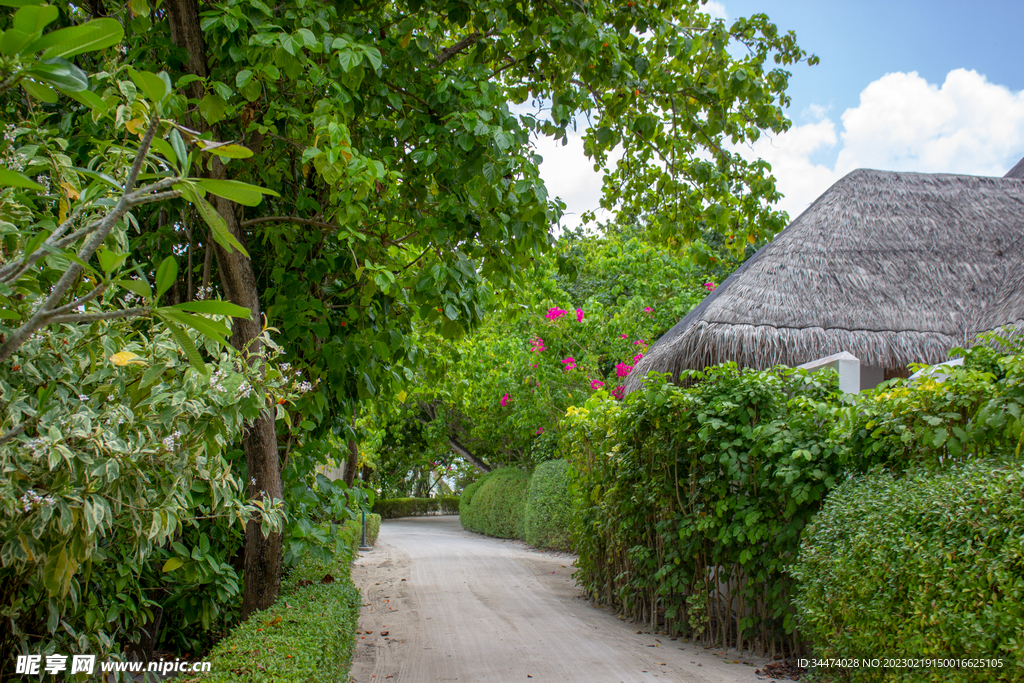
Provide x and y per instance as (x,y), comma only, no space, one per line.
(892,267)
(1017,171)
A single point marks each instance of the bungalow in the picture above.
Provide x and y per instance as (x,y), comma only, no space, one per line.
(893,268)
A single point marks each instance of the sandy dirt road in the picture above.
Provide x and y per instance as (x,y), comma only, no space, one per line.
(444,604)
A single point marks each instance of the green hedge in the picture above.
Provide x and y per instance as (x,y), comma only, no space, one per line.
(495,504)
(308,634)
(548,507)
(393,508)
(688,502)
(372,528)
(928,565)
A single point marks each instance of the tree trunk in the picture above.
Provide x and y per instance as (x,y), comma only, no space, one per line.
(263,555)
(352,463)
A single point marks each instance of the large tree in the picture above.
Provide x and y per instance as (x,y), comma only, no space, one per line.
(398,138)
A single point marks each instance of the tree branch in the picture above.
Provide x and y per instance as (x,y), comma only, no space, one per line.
(472,459)
(94,317)
(449,52)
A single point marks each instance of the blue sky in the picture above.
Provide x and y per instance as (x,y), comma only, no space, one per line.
(911,85)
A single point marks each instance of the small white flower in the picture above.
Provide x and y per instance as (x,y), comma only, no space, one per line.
(253,481)
(285,367)
(83,398)
(305,386)
(31,499)
(244,390)
(216,380)
(171,441)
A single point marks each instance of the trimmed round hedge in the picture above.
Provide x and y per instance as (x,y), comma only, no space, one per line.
(548,507)
(928,565)
(495,504)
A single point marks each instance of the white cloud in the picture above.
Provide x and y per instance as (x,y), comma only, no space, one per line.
(967,125)
(570,175)
(903,123)
(716,10)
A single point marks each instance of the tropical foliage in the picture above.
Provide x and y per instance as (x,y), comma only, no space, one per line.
(224,229)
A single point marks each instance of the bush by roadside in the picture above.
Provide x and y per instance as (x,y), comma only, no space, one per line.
(495,504)
(308,634)
(549,507)
(927,565)
(372,529)
(392,508)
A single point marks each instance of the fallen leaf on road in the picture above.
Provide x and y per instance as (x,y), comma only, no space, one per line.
(384,633)
(327,579)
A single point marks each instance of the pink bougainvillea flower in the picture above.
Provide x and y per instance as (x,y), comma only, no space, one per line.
(537,345)
(639,342)
(579,315)
(570,363)
(647,309)
(710,286)
(504,400)
(625,336)
(637,357)
(540,430)
(596,384)
(619,392)
(621,370)
(555,313)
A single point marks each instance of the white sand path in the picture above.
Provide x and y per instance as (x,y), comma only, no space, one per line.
(458,606)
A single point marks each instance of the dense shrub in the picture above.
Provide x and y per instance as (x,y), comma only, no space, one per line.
(308,634)
(548,507)
(392,508)
(928,565)
(372,528)
(689,502)
(688,493)
(496,504)
(976,410)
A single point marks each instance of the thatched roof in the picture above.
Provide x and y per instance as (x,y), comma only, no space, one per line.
(892,267)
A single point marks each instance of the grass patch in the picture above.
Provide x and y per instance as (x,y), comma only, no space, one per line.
(307,635)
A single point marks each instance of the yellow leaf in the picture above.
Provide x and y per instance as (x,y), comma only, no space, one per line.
(402,396)
(136,125)
(122,358)
(62,210)
(405,40)
(69,190)
(750,238)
